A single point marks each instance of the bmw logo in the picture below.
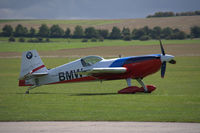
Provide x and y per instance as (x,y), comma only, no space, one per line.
(29,55)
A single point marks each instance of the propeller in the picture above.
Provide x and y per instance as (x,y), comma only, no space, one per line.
(162,49)
(163,69)
(165,58)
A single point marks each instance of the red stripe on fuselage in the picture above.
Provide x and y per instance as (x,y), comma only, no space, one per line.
(89,78)
(38,68)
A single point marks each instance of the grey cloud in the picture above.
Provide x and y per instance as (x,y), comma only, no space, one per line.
(69,9)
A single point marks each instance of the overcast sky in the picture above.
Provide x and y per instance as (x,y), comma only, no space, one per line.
(90,9)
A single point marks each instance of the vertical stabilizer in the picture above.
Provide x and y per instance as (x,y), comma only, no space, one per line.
(31,63)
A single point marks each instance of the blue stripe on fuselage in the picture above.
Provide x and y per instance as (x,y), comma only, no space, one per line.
(132,59)
(120,62)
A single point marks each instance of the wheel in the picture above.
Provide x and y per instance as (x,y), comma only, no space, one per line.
(27,92)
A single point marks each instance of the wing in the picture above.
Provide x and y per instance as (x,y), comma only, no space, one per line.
(108,70)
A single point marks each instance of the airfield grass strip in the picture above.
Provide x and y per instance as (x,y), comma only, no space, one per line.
(58,44)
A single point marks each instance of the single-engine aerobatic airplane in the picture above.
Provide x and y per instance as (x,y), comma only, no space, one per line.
(94,68)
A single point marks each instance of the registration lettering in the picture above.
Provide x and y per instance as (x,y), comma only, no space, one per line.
(69,75)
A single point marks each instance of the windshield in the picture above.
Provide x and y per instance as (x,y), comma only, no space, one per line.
(90,60)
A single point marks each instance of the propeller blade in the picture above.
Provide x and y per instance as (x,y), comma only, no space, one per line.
(172,61)
(163,69)
(162,49)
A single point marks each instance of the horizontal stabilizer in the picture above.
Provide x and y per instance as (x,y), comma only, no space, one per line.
(113,70)
(39,74)
(30,75)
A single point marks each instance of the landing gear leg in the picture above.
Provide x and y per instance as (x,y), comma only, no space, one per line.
(27,92)
(31,87)
(128,80)
(143,85)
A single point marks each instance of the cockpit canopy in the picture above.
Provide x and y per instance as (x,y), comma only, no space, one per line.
(90,60)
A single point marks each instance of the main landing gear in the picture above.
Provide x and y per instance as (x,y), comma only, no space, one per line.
(133,89)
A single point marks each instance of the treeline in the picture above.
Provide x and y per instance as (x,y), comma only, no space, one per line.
(172,14)
(55,31)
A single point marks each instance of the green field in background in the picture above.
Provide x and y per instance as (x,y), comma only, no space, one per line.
(58,44)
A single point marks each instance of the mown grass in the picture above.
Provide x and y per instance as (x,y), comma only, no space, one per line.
(57,44)
(176,99)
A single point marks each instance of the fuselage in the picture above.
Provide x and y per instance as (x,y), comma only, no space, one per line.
(136,67)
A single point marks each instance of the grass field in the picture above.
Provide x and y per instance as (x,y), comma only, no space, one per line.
(58,44)
(176,99)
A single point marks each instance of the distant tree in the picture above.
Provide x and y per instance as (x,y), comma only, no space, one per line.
(11,39)
(90,32)
(84,40)
(197,12)
(162,14)
(78,32)
(171,14)
(145,37)
(116,33)
(126,32)
(181,35)
(156,32)
(167,33)
(127,38)
(21,39)
(68,33)
(133,33)
(147,30)
(187,14)
(20,31)
(173,33)
(93,40)
(137,34)
(32,32)
(7,30)
(39,39)
(178,35)
(103,33)
(195,31)
(101,39)
(176,30)
(56,31)
(178,14)
(44,31)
